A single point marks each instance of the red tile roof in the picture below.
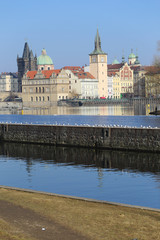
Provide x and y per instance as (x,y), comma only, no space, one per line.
(46,73)
(74,68)
(110,74)
(31,74)
(84,75)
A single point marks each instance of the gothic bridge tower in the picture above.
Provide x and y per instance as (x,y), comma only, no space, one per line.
(27,62)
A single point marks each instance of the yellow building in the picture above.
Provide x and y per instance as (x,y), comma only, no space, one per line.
(98,67)
(116,86)
(123,77)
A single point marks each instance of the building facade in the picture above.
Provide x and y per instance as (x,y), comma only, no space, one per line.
(9,82)
(122,79)
(43,88)
(110,87)
(81,84)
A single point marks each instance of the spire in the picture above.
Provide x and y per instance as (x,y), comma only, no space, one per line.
(26,51)
(97,42)
(137,61)
(31,55)
(97,45)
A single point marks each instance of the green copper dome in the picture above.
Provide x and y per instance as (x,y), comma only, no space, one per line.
(115,61)
(44,59)
(131,55)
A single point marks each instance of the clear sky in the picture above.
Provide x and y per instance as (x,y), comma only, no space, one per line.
(67,29)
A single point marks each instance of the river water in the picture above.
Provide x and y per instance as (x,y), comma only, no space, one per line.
(125,177)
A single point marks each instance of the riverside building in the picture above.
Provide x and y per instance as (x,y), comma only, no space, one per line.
(8,82)
(43,88)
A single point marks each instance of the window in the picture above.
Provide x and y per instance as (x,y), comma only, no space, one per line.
(48,98)
(36,89)
(42,68)
(43,89)
(75,81)
(40,99)
(69,87)
(39,90)
(31,99)
(43,99)
(48,68)
(36,99)
(69,75)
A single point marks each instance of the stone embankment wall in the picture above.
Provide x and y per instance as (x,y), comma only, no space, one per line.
(95,137)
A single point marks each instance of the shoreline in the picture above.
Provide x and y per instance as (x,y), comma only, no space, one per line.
(79,198)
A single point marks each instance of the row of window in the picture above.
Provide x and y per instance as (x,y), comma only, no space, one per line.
(40,99)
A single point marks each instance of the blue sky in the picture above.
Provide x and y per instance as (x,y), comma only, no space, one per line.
(67,29)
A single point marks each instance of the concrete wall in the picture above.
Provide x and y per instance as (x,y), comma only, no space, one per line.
(96,137)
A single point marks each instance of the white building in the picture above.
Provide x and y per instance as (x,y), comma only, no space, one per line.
(81,84)
(8,82)
(110,87)
(89,88)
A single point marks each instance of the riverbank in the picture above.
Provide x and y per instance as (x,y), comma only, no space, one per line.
(29,215)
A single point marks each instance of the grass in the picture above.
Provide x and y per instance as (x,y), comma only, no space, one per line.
(94,220)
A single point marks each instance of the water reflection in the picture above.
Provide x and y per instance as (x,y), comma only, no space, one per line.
(86,158)
(118,176)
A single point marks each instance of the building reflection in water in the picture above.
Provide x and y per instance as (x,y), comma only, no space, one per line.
(92,158)
(125,109)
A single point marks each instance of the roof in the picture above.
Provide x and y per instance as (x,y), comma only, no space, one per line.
(110,74)
(75,68)
(152,70)
(47,73)
(115,66)
(115,61)
(14,75)
(131,55)
(84,75)
(97,45)
(44,59)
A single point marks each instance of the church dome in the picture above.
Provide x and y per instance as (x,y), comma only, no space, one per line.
(115,61)
(44,59)
(131,55)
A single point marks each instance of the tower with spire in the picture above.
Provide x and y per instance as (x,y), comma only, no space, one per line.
(27,62)
(98,66)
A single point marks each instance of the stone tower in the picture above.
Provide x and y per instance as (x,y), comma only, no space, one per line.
(26,63)
(98,67)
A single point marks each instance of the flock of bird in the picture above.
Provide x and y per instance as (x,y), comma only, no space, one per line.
(82,125)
